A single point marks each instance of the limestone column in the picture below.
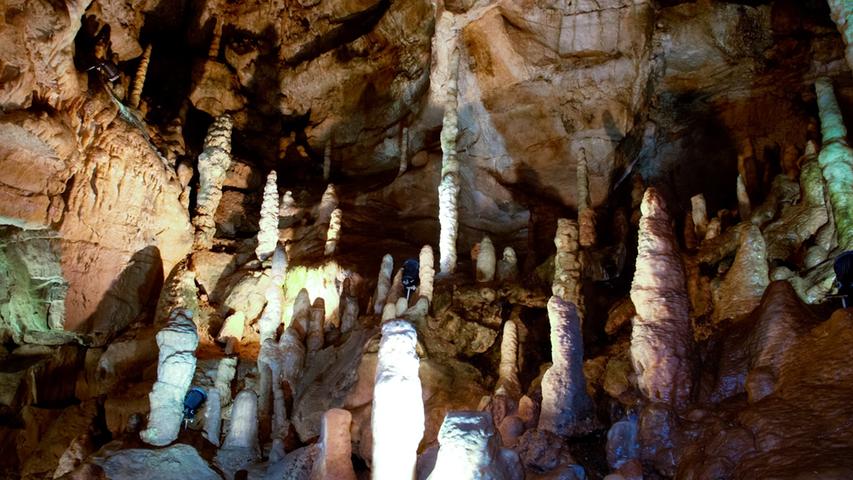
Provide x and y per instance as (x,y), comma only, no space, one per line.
(836,161)
(567,266)
(240,447)
(448,187)
(398,412)
(268,225)
(383,284)
(508,383)
(177,342)
(335,460)
(470,450)
(841,12)
(213,164)
(566,407)
(661,339)
(404,151)
(486,261)
(586,215)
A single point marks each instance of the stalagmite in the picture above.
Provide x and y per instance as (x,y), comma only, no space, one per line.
(240,447)
(225,372)
(398,412)
(269,374)
(213,164)
(508,383)
(486,261)
(586,215)
(567,266)
(301,313)
(213,50)
(271,317)
(470,450)
(268,225)
(404,151)
(293,359)
(448,188)
(279,266)
(328,204)
(335,460)
(743,286)
(383,284)
(699,212)
(402,305)
(836,160)
(566,406)
(394,294)
(426,273)
(289,213)
(212,416)
(841,12)
(139,80)
(744,207)
(349,306)
(661,336)
(177,342)
(507,269)
(622,443)
(333,234)
(316,326)
(327,160)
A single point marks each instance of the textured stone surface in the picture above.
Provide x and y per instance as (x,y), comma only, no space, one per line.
(173,463)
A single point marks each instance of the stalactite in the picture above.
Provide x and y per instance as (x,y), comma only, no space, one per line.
(177,342)
(586,215)
(744,207)
(448,188)
(699,212)
(139,80)
(335,460)
(333,234)
(836,160)
(508,383)
(507,269)
(383,284)
(661,339)
(398,412)
(567,266)
(213,164)
(268,224)
(566,407)
(404,151)
(486,261)
(279,265)
(841,12)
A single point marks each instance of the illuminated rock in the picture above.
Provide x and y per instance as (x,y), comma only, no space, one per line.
(328,204)
(212,166)
(177,342)
(448,187)
(316,326)
(426,273)
(699,213)
(741,289)
(271,317)
(240,447)
(470,450)
(836,160)
(301,313)
(383,284)
(622,443)
(335,460)
(268,225)
(333,234)
(586,215)
(486,261)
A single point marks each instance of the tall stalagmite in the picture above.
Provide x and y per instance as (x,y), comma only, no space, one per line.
(213,164)
(177,342)
(333,234)
(586,215)
(567,266)
(836,160)
(139,80)
(566,406)
(508,383)
(448,188)
(398,410)
(661,340)
(383,284)
(268,225)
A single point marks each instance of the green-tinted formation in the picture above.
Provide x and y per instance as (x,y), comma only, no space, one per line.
(836,160)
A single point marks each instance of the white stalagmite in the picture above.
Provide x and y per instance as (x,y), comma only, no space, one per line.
(301,313)
(426,273)
(841,12)
(398,411)
(486,261)
(744,207)
(383,284)
(177,342)
(268,224)
(212,416)
(566,406)
(661,338)
(327,160)
(507,269)
(394,293)
(470,450)
(240,447)
(508,383)
(213,164)
(225,372)
(699,211)
(567,266)
(404,151)
(448,188)
(836,161)
(333,234)
(328,204)
(335,460)
(586,215)
(139,80)
(279,265)
(271,317)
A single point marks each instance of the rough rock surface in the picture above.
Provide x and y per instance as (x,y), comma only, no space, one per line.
(177,462)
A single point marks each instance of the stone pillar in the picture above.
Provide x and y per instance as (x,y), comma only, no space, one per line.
(567,266)
(841,12)
(213,164)
(240,447)
(426,273)
(383,284)
(268,225)
(486,261)
(745,281)
(470,450)
(333,234)
(566,407)
(661,339)
(301,313)
(212,416)
(335,460)
(389,312)
(177,342)
(508,383)
(507,269)
(398,412)
(271,317)
(586,215)
(448,187)
(139,79)
(225,372)
(836,160)
(404,151)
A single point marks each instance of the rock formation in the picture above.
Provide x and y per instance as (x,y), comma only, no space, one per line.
(268,226)
(212,166)
(328,204)
(699,213)
(398,414)
(240,447)
(566,406)
(842,13)
(661,337)
(335,461)
(470,450)
(333,234)
(508,383)
(349,306)
(383,284)
(741,289)
(139,79)
(426,273)
(586,215)
(836,160)
(177,342)
(567,266)
(486,261)
(448,188)
(507,268)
